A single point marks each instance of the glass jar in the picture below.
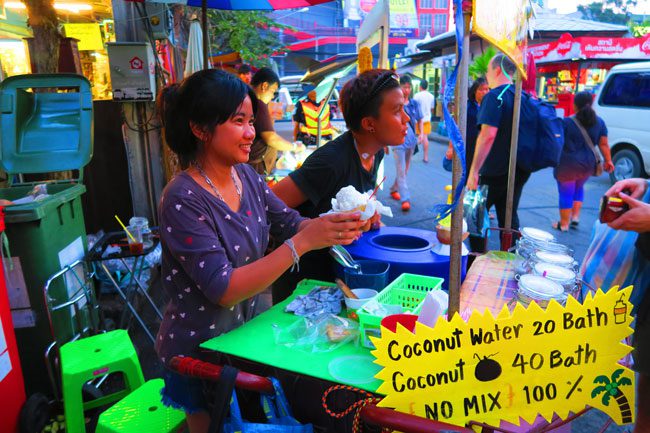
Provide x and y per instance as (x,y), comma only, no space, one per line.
(539,289)
(553,258)
(565,277)
(143,224)
(533,239)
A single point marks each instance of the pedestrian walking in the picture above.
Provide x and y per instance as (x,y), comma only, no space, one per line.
(402,154)
(580,159)
(215,221)
(492,151)
(426,101)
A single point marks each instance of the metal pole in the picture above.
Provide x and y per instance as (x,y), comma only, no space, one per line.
(506,240)
(322,109)
(204,24)
(456,257)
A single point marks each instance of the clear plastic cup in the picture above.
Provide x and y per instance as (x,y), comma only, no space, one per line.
(136,245)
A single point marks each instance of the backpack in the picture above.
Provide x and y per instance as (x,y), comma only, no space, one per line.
(541,135)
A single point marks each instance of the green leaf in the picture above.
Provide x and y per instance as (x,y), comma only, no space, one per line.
(601,379)
(597,390)
(616,374)
(479,66)
(252,34)
(605,399)
(624,381)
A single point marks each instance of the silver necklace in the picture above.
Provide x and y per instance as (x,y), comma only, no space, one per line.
(214,188)
(363,155)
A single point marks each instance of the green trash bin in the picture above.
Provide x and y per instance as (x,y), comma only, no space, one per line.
(46,126)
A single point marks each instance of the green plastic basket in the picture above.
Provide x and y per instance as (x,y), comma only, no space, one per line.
(408,291)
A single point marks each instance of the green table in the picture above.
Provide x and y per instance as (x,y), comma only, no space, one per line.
(255,341)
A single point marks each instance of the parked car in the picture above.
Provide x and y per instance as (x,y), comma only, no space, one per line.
(623,101)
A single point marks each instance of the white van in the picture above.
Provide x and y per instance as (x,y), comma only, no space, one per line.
(623,102)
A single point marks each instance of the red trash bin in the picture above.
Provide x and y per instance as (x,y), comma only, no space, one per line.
(12,386)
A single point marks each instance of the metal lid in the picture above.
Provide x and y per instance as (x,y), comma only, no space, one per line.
(554,272)
(538,287)
(554,258)
(537,234)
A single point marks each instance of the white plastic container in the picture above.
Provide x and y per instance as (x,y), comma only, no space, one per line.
(364,296)
(539,289)
(566,277)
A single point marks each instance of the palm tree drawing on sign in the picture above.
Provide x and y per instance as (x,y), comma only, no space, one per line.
(610,389)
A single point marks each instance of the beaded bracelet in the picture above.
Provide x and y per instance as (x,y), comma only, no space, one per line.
(294,254)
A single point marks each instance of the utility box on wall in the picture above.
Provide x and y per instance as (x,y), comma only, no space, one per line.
(133,71)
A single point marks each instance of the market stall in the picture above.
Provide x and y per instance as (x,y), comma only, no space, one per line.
(573,64)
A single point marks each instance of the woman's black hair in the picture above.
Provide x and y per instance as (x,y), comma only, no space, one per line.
(206,99)
(363,95)
(584,113)
(471,94)
(265,75)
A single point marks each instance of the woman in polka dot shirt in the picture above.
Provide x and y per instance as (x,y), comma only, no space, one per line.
(215,221)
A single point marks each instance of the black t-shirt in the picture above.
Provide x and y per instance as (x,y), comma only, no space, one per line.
(496,110)
(330,168)
(324,173)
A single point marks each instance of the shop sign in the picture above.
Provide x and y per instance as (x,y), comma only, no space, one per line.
(505,24)
(567,48)
(522,364)
(403,15)
(88,34)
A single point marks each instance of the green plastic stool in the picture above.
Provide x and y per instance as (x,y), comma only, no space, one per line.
(141,411)
(89,358)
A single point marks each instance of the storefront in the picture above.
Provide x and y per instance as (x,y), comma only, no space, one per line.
(571,65)
(90,25)
(13,51)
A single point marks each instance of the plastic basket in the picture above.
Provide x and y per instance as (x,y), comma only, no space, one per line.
(408,291)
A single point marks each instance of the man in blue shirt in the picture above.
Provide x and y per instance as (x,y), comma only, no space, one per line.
(493,143)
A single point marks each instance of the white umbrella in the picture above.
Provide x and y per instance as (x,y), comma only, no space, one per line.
(194,59)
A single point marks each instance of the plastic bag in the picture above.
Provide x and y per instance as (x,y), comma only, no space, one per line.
(320,300)
(476,212)
(321,334)
(278,415)
(613,260)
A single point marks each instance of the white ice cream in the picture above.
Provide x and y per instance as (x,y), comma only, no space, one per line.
(348,199)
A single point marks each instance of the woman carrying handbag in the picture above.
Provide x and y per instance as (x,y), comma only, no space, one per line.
(580,159)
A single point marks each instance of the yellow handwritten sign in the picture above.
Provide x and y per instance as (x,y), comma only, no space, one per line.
(89,35)
(504,23)
(518,364)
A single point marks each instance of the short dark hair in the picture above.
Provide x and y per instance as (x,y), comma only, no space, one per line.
(265,75)
(480,81)
(405,79)
(363,95)
(206,99)
(423,84)
(244,69)
(504,62)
